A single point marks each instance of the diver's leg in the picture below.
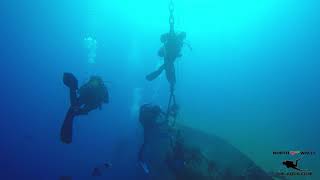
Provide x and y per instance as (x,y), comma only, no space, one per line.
(155,74)
(73,97)
(141,162)
(66,129)
(71,81)
(140,154)
(170,73)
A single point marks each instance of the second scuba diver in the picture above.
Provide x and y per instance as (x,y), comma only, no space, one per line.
(151,118)
(170,51)
(89,97)
(154,122)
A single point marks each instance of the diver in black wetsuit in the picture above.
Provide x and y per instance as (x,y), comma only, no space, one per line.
(291,164)
(151,118)
(170,51)
(91,96)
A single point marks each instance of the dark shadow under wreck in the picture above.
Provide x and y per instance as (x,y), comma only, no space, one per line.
(183,153)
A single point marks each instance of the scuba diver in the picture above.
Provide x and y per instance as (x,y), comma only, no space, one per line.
(151,118)
(156,122)
(291,164)
(170,51)
(89,97)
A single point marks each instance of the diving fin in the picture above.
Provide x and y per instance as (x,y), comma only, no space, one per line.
(70,81)
(155,74)
(66,129)
(144,167)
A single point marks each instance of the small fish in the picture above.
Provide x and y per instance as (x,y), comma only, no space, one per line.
(107,165)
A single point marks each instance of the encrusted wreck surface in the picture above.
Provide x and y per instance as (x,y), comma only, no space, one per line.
(184,153)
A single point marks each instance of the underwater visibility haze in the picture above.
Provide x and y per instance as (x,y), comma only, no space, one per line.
(244,75)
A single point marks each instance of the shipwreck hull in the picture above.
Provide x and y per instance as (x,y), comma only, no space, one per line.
(207,157)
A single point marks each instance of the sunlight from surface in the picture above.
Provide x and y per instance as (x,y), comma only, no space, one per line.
(200,16)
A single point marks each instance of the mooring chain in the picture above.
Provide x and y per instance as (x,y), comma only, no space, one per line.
(171,108)
(171,17)
(172,100)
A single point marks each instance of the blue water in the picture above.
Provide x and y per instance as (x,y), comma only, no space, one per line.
(252,78)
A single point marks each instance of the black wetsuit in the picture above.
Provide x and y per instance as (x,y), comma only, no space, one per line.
(170,51)
(91,96)
(148,118)
(173,47)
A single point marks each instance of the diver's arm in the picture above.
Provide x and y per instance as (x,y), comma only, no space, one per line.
(66,129)
(73,97)
(72,83)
